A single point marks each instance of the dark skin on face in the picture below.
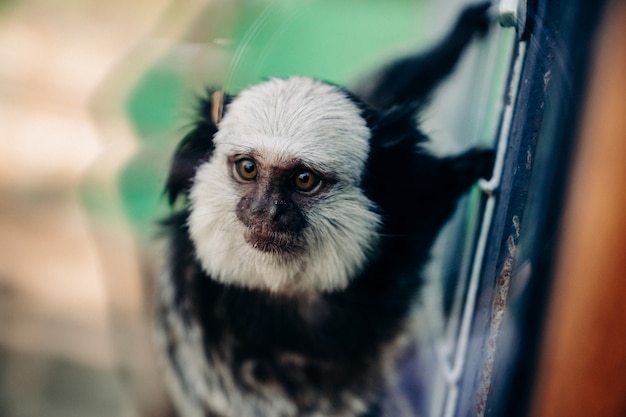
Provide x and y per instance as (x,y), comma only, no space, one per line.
(271,207)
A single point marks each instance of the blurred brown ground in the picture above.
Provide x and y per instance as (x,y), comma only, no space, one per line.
(73,342)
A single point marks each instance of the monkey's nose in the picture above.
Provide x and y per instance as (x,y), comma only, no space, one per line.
(276,209)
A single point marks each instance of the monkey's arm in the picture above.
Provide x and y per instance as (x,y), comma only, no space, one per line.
(412,78)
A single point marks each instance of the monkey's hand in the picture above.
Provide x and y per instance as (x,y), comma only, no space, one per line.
(467,168)
(474,20)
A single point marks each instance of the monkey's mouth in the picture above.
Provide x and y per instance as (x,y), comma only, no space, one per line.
(273,242)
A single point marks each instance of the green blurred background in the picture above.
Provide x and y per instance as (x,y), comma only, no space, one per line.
(243,43)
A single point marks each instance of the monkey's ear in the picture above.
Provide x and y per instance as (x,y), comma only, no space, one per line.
(197,146)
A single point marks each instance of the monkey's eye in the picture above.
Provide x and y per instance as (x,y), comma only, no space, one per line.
(306,181)
(246,169)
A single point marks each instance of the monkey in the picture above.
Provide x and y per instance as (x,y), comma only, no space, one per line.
(308,212)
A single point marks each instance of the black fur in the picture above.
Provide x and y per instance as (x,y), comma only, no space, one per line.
(339,334)
(194,149)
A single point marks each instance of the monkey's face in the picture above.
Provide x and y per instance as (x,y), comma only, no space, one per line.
(279,204)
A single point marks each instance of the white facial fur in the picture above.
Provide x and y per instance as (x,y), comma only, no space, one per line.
(285,120)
